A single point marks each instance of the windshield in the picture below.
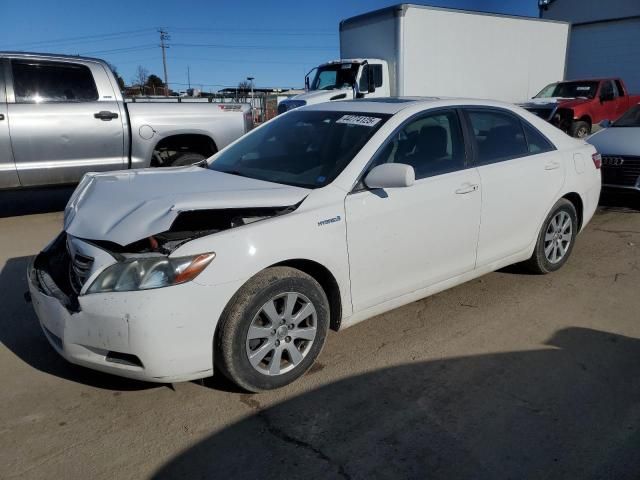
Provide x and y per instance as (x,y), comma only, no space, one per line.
(332,77)
(630,119)
(302,148)
(569,90)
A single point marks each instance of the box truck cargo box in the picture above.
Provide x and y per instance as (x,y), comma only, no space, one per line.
(414,50)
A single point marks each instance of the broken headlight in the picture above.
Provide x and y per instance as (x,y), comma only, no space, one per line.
(144,273)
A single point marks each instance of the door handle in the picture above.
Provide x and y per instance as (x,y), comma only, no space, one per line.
(1,116)
(467,188)
(552,166)
(105,115)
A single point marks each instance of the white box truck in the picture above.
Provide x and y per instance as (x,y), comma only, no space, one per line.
(415,50)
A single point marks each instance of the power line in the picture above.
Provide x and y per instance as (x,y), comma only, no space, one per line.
(208,60)
(121,50)
(253,47)
(85,38)
(262,32)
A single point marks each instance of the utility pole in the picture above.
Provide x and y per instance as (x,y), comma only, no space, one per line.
(164,36)
(189,76)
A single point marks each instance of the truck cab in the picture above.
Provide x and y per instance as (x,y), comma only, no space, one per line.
(344,79)
(62,116)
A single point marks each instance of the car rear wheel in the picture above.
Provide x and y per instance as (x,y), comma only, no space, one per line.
(556,238)
(273,329)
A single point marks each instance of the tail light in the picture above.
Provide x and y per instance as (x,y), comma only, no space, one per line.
(597,160)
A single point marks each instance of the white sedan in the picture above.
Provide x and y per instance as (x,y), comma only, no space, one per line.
(321,218)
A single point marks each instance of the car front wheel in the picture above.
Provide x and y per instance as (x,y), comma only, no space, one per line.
(273,329)
(580,129)
(556,238)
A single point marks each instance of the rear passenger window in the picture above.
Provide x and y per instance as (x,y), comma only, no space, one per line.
(499,136)
(40,82)
(432,145)
(536,141)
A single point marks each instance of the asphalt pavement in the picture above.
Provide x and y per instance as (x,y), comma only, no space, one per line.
(508,376)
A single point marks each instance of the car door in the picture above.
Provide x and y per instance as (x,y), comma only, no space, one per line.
(64,120)
(8,174)
(521,174)
(404,239)
(608,102)
(622,100)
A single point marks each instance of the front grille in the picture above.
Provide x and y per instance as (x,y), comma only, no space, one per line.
(79,271)
(620,170)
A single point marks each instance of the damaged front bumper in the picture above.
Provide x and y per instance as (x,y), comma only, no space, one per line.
(163,335)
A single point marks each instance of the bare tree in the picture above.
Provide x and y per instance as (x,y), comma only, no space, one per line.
(242,92)
(140,77)
(119,79)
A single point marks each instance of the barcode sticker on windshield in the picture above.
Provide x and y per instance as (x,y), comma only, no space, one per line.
(361,120)
(583,88)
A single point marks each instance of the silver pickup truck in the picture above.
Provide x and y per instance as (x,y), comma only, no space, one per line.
(63,116)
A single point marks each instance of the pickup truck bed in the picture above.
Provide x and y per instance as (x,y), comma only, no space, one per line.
(61,117)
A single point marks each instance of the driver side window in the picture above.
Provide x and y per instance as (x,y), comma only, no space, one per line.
(432,145)
(328,77)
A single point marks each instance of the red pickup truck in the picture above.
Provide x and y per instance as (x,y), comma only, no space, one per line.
(575,106)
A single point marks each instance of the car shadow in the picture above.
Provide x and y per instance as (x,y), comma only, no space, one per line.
(620,201)
(567,410)
(20,332)
(34,200)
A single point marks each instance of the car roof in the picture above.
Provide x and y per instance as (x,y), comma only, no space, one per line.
(393,105)
(598,79)
(48,56)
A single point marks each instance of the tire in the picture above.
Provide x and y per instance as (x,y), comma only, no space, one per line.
(258,310)
(580,129)
(186,159)
(555,240)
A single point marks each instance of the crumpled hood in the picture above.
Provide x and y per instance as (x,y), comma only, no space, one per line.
(320,96)
(126,206)
(553,101)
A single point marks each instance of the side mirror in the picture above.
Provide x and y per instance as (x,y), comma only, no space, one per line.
(390,175)
(371,81)
(606,123)
(307,83)
(367,83)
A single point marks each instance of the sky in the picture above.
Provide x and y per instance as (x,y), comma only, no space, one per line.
(217,43)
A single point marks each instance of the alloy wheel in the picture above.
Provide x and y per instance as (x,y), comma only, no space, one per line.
(558,237)
(281,333)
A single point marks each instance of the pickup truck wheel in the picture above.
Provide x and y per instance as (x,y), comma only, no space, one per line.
(185,159)
(273,329)
(580,129)
(556,239)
